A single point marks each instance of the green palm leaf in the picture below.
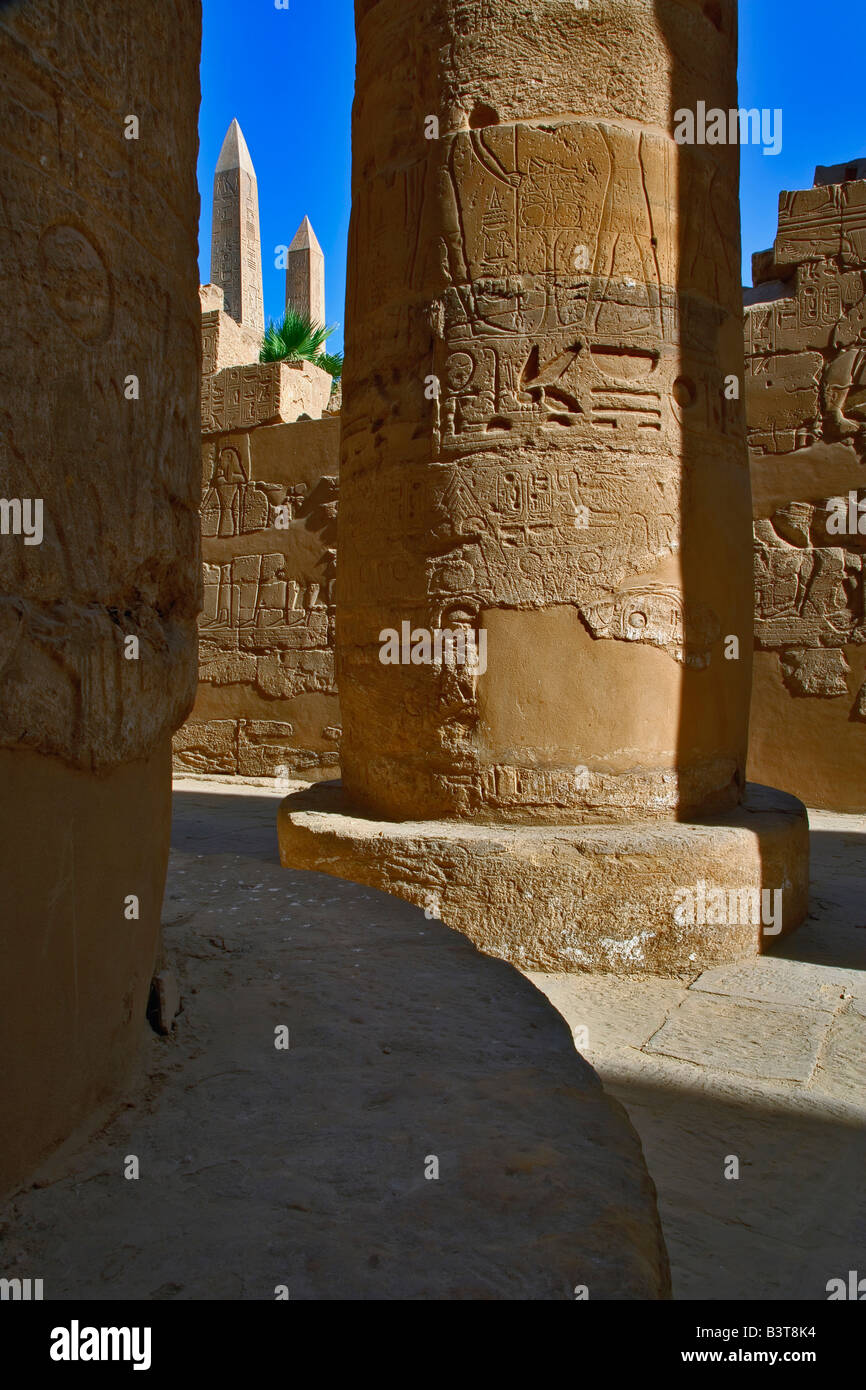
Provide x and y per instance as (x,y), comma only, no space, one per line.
(296,338)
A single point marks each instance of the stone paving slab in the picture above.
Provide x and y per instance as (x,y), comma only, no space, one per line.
(761,1040)
(841,1072)
(796,1215)
(615,1013)
(770,980)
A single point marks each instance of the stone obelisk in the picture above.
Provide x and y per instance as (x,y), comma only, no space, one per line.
(305,275)
(236,247)
(544,451)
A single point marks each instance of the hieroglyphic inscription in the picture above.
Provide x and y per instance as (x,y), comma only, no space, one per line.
(238,398)
(806,398)
(236,255)
(567,290)
(267,623)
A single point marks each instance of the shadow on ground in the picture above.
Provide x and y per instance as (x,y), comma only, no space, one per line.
(313,1167)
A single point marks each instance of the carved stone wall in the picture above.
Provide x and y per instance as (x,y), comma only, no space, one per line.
(267,698)
(537,443)
(805,328)
(262,393)
(99,395)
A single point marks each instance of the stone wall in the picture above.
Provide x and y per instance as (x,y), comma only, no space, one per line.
(224,342)
(805,323)
(267,702)
(99,381)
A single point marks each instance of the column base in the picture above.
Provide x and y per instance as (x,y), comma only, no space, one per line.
(639,898)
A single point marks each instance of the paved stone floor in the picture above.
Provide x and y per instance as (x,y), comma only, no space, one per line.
(311,1168)
(765,1063)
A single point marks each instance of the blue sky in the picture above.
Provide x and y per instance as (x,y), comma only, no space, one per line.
(287,75)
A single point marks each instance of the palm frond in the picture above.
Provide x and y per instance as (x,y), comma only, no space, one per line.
(294,338)
(332,363)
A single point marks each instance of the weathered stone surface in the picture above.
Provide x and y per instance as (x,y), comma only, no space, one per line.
(827,221)
(570,489)
(164,1002)
(404,1042)
(82,263)
(815,672)
(760,1040)
(840,173)
(236,249)
(773,980)
(577,486)
(806,406)
(99,386)
(305,275)
(600,898)
(267,703)
(755,1238)
(841,1073)
(225,344)
(262,393)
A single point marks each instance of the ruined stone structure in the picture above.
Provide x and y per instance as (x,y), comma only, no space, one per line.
(99,388)
(539,451)
(266,704)
(224,343)
(305,274)
(806,403)
(236,248)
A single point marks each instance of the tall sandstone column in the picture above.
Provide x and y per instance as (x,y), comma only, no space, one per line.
(99,425)
(570,276)
(541,445)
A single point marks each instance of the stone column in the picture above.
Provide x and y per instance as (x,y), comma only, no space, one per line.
(543,442)
(99,445)
(236,247)
(305,274)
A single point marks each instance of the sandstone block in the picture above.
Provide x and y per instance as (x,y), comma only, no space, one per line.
(262,393)
(593,898)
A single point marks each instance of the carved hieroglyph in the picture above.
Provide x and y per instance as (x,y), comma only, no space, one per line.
(544,445)
(806,402)
(305,274)
(119,556)
(543,313)
(99,402)
(236,250)
(267,699)
(262,393)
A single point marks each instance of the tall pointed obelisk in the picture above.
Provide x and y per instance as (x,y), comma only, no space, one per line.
(236,248)
(305,274)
